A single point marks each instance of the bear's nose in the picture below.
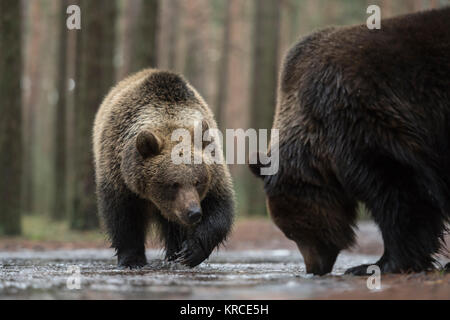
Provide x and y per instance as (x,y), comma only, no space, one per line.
(194,215)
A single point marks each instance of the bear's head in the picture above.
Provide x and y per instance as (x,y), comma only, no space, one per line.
(318,219)
(175,189)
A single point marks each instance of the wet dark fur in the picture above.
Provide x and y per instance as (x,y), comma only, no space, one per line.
(364,116)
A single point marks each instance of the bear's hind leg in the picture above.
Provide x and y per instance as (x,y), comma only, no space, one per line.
(410,242)
(413,237)
(411,224)
(126,221)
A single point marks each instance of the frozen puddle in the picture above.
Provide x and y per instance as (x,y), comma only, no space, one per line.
(255,274)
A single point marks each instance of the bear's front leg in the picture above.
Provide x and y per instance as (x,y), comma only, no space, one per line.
(174,235)
(218,214)
(126,222)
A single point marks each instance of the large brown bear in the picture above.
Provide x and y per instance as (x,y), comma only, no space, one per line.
(364,116)
(139,185)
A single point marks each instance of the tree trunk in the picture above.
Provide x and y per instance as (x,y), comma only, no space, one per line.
(144,54)
(222,83)
(237,87)
(11,116)
(386,9)
(265,57)
(196,62)
(168,35)
(128,13)
(72,59)
(31,94)
(59,210)
(95,75)
(264,81)
(173,34)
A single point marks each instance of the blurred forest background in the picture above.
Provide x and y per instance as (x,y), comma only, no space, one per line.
(52,81)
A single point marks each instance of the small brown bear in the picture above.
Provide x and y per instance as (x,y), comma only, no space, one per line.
(138,185)
(363,116)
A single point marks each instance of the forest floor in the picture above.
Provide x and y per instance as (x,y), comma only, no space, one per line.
(258,262)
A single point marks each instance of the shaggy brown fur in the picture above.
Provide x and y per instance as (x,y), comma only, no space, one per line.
(138,184)
(364,116)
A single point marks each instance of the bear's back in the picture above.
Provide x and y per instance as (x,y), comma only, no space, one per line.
(350,90)
(372,75)
(411,52)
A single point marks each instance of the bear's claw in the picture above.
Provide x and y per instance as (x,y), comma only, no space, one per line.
(385,265)
(171,257)
(358,270)
(191,254)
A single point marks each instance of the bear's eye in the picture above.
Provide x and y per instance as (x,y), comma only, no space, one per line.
(197,183)
(175,185)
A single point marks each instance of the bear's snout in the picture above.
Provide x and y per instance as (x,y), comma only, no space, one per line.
(194,215)
(187,206)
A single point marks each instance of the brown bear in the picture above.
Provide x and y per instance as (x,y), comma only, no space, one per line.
(364,117)
(138,185)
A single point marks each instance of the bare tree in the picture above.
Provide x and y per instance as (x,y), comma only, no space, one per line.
(32,49)
(236,103)
(60,142)
(137,40)
(434,4)
(222,83)
(168,35)
(95,75)
(144,44)
(11,116)
(386,8)
(127,15)
(264,80)
(196,60)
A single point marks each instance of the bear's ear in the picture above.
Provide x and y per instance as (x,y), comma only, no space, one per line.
(255,164)
(148,143)
(205,127)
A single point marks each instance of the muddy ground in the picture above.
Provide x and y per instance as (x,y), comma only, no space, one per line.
(258,263)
